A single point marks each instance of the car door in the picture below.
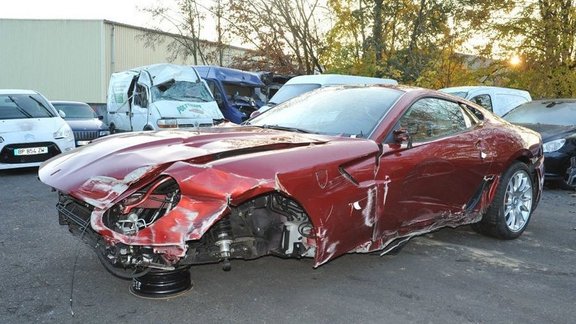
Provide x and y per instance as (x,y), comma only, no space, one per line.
(139,116)
(439,175)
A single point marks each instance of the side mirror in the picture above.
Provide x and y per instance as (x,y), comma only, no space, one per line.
(401,136)
(61,113)
(101,117)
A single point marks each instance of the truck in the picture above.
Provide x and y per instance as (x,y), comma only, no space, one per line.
(238,93)
(159,96)
(498,100)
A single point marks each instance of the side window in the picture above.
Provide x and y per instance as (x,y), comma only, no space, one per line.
(483,100)
(141,96)
(431,118)
(215,92)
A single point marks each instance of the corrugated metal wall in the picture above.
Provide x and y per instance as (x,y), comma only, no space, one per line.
(60,58)
(73,59)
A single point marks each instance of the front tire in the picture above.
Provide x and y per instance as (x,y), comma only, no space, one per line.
(510,211)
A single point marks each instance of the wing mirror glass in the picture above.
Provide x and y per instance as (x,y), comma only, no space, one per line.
(402,136)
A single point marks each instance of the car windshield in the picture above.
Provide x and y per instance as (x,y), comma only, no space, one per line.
(18,106)
(76,111)
(547,112)
(181,91)
(343,111)
(289,91)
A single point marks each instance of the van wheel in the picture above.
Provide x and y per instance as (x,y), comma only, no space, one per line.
(510,211)
(148,128)
(112,129)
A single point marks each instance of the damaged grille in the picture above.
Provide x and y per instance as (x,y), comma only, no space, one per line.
(74,214)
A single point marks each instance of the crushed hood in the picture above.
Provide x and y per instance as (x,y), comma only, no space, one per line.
(130,157)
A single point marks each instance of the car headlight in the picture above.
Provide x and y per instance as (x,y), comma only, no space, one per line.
(554,145)
(103,133)
(167,123)
(64,133)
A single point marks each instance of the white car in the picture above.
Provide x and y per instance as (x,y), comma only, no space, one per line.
(31,130)
(305,83)
(498,100)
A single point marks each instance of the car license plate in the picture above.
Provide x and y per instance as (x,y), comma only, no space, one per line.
(31,151)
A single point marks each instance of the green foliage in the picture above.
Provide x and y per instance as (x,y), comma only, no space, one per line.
(417,42)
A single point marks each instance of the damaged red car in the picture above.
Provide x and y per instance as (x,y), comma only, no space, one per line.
(338,170)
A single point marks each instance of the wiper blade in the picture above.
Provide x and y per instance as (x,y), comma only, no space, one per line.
(50,114)
(197,97)
(286,128)
(20,109)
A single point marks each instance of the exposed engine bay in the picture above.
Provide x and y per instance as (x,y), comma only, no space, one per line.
(269,224)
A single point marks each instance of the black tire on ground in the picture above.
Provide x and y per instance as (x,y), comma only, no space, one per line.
(112,129)
(511,209)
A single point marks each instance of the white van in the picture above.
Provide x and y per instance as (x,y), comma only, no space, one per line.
(159,96)
(304,83)
(31,130)
(496,99)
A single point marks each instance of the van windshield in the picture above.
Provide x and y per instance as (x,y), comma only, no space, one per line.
(289,91)
(181,91)
(19,106)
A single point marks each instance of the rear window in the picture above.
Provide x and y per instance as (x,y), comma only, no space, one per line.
(289,91)
(544,112)
(19,106)
(76,111)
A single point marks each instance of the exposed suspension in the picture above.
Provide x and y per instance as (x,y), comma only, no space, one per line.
(224,241)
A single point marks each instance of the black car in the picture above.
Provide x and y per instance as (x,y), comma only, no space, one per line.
(83,120)
(555,120)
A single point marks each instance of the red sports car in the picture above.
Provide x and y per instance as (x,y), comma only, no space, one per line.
(338,170)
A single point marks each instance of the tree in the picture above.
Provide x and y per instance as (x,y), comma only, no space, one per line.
(186,21)
(284,33)
(547,33)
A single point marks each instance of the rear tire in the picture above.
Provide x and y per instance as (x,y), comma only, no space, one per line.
(510,211)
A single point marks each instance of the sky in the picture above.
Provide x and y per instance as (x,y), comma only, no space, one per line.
(123,11)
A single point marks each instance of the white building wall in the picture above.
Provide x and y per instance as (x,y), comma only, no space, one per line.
(73,59)
(59,58)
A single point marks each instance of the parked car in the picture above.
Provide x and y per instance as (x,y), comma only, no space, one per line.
(343,170)
(304,83)
(498,100)
(555,120)
(85,124)
(31,130)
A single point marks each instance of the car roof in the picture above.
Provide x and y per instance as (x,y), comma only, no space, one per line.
(68,102)
(472,88)
(228,75)
(337,79)
(16,91)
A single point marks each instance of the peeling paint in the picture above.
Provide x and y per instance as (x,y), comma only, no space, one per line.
(368,212)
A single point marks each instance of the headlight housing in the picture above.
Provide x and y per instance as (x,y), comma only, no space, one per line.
(64,133)
(103,133)
(554,145)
